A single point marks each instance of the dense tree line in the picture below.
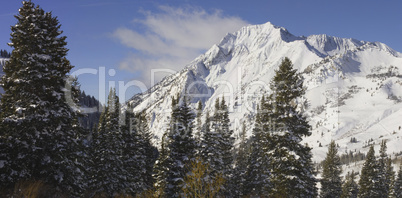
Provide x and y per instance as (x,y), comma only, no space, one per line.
(41,140)
(5,54)
(121,153)
(351,157)
(377,177)
(90,118)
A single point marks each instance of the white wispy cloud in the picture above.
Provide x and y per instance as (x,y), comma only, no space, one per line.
(8,14)
(172,37)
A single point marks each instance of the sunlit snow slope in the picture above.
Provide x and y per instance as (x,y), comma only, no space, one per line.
(354,87)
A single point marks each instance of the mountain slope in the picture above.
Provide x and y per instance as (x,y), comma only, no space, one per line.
(2,62)
(354,87)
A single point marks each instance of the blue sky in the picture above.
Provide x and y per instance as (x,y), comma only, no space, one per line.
(122,40)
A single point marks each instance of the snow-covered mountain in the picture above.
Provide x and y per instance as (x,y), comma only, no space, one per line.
(354,87)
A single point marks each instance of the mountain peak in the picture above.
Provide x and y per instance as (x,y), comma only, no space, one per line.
(268,30)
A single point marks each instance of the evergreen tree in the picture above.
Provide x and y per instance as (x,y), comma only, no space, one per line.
(385,172)
(217,144)
(107,168)
(381,184)
(259,164)
(226,147)
(369,176)
(112,124)
(390,178)
(149,151)
(198,116)
(292,168)
(161,168)
(181,147)
(331,183)
(138,153)
(132,159)
(198,126)
(350,187)
(206,129)
(102,120)
(40,135)
(210,151)
(398,183)
(239,175)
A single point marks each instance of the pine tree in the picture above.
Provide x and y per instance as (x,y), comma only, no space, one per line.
(198,116)
(385,172)
(217,144)
(227,147)
(390,177)
(161,168)
(381,184)
(331,183)
(40,127)
(398,183)
(198,127)
(132,159)
(350,187)
(102,120)
(149,151)
(259,164)
(210,151)
(107,168)
(138,153)
(206,129)
(181,147)
(369,176)
(292,168)
(239,175)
